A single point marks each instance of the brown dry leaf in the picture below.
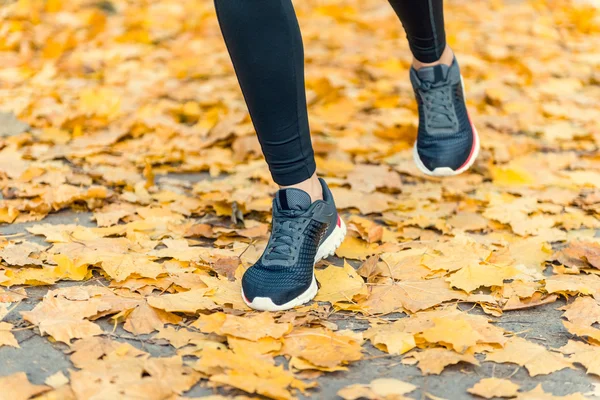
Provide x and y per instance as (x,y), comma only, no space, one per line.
(382,388)
(368,269)
(321,347)
(494,387)
(537,359)
(585,251)
(17,387)
(227,266)
(339,284)
(433,361)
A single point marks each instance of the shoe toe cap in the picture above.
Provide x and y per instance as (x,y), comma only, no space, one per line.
(279,286)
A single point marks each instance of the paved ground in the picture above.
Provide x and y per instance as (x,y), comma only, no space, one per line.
(39,358)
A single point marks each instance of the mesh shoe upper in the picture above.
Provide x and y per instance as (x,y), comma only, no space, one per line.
(285,270)
(445,136)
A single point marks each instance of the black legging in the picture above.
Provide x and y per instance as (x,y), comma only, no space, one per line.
(264,41)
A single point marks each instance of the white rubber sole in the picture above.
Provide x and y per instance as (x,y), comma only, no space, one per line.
(447,171)
(326,249)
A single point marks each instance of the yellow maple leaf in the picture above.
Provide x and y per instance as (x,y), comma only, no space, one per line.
(321,347)
(339,284)
(391,338)
(475,276)
(458,333)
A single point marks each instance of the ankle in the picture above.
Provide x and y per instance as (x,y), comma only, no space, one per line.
(446,58)
(312,186)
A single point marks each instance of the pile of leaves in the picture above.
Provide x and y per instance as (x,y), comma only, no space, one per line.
(105,103)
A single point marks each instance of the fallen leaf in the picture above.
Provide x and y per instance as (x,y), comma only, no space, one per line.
(252,328)
(355,249)
(584,354)
(189,302)
(321,347)
(339,284)
(57,380)
(390,338)
(433,361)
(539,394)
(382,388)
(6,336)
(17,387)
(583,311)
(494,387)
(537,359)
(64,319)
(413,295)
(458,333)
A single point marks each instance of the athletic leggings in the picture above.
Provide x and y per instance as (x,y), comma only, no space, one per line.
(265,45)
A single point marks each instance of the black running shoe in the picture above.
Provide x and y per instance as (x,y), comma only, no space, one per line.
(302,234)
(447,142)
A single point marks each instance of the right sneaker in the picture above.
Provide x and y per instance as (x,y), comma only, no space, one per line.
(302,234)
(447,142)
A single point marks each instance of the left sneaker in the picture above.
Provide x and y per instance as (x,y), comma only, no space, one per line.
(302,234)
(447,142)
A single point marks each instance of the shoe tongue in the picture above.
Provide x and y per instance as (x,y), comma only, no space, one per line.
(293,199)
(433,74)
